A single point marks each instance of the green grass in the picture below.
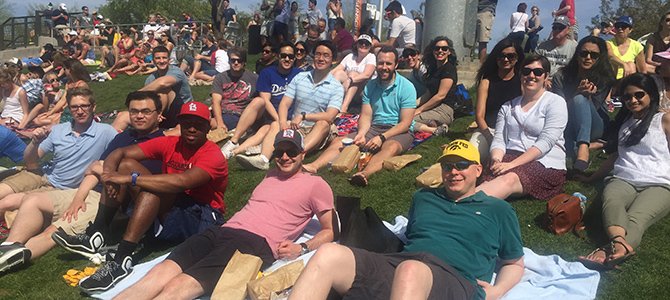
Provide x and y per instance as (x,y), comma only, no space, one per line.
(389,194)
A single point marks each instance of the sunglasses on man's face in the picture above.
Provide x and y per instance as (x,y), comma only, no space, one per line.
(286,55)
(637,95)
(291,152)
(459,165)
(593,55)
(537,71)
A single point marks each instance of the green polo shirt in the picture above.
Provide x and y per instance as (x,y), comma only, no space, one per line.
(469,235)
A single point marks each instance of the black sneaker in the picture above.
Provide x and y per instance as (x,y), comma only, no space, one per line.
(13,255)
(84,244)
(109,274)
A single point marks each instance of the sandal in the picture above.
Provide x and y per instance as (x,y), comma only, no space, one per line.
(594,265)
(614,263)
(581,165)
(359,179)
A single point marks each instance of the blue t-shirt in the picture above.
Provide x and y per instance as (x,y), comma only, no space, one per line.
(311,97)
(11,145)
(275,83)
(72,154)
(130,137)
(182,91)
(387,101)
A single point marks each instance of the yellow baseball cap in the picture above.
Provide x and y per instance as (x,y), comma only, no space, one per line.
(462,149)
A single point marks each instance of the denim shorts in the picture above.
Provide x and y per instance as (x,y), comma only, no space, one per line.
(186,219)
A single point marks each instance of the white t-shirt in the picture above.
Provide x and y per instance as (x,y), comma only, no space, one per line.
(350,64)
(518,22)
(404,30)
(221,64)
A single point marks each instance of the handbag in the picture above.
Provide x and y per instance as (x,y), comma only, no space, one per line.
(362,228)
(564,214)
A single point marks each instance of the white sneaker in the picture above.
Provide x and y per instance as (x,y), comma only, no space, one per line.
(253,150)
(255,162)
(227,149)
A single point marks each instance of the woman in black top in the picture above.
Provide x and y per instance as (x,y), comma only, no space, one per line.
(585,83)
(433,113)
(497,82)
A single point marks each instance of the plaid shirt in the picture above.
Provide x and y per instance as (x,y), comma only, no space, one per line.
(34,90)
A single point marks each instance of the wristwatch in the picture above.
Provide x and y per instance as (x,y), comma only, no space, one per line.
(133,176)
(304,249)
(382,137)
(304,115)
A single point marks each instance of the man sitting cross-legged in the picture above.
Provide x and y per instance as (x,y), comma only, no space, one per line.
(184,200)
(144,108)
(43,200)
(277,212)
(386,115)
(311,102)
(455,238)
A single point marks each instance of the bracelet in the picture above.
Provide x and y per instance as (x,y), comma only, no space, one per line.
(133,177)
(382,137)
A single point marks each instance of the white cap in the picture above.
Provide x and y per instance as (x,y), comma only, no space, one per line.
(72,32)
(365,37)
(100,17)
(62,6)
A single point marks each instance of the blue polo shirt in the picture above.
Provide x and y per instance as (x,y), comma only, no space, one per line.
(314,97)
(130,137)
(72,154)
(387,101)
(11,145)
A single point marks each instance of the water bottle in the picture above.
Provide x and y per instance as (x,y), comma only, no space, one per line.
(582,200)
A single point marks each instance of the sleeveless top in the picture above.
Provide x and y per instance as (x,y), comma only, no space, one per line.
(648,162)
(13,107)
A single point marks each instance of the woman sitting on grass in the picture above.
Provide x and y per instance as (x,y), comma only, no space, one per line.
(355,70)
(637,194)
(527,153)
(585,83)
(77,77)
(14,98)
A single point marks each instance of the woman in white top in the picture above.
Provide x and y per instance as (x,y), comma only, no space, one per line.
(637,194)
(527,152)
(15,99)
(518,24)
(356,69)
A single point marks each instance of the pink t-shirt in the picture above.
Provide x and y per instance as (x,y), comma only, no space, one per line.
(280,208)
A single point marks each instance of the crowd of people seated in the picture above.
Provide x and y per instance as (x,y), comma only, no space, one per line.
(538,116)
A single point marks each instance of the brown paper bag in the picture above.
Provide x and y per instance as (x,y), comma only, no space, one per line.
(232,284)
(398,162)
(431,178)
(346,161)
(279,280)
(217,135)
(10,215)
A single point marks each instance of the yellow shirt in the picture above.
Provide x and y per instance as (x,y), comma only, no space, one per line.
(633,50)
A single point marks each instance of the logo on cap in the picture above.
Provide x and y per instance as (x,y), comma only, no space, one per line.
(192,107)
(288,133)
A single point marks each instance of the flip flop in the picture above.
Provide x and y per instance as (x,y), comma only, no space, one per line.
(594,265)
(359,179)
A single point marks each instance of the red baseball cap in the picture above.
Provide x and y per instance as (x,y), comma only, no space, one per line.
(195,108)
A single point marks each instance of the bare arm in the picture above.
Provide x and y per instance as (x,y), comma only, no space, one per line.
(649,55)
(25,108)
(364,122)
(640,63)
(216,110)
(509,275)
(33,153)
(361,77)
(328,115)
(162,84)
(291,250)
(480,109)
(284,105)
(435,100)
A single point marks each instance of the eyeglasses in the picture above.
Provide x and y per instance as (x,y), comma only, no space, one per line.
(593,55)
(459,165)
(77,107)
(300,50)
(558,27)
(508,56)
(637,95)
(324,55)
(441,48)
(266,51)
(537,71)
(144,112)
(291,152)
(235,61)
(286,55)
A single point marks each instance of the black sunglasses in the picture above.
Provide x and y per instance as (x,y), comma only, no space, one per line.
(235,61)
(459,165)
(300,50)
(622,26)
(593,55)
(638,95)
(558,27)
(667,20)
(286,55)
(442,48)
(266,51)
(537,71)
(291,152)
(508,56)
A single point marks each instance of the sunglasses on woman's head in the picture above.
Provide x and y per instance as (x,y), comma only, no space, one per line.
(459,165)
(537,71)
(441,48)
(637,95)
(593,55)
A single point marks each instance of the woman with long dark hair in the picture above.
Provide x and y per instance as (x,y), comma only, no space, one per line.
(585,83)
(433,113)
(658,42)
(637,193)
(498,81)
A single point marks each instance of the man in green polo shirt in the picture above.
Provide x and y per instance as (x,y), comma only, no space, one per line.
(455,237)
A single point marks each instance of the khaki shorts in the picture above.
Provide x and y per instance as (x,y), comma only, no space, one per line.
(61,200)
(441,114)
(332,133)
(26,181)
(485,23)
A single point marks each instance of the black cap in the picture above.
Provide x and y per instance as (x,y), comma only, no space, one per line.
(292,136)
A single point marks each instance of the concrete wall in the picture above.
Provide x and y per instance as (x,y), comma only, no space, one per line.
(5,55)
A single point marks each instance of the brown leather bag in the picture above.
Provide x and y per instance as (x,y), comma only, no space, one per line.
(565,214)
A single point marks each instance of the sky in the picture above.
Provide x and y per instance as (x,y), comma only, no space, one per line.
(586,9)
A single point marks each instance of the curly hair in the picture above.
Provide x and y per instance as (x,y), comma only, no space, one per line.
(429,59)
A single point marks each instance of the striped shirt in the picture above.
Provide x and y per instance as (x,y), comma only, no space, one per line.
(311,97)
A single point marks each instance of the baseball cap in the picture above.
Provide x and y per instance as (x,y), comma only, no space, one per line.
(625,20)
(462,149)
(292,136)
(365,37)
(62,6)
(195,108)
(72,33)
(563,20)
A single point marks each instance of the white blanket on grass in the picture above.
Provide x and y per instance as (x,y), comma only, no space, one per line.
(545,277)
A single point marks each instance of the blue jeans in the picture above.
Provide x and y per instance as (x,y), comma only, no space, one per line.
(586,122)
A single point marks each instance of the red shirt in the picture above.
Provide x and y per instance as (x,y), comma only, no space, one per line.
(571,12)
(178,158)
(343,40)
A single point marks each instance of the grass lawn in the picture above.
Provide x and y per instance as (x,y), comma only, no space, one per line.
(389,193)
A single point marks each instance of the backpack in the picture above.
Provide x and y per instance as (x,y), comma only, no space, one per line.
(462,103)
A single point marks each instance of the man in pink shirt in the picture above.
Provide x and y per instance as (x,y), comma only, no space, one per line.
(277,212)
